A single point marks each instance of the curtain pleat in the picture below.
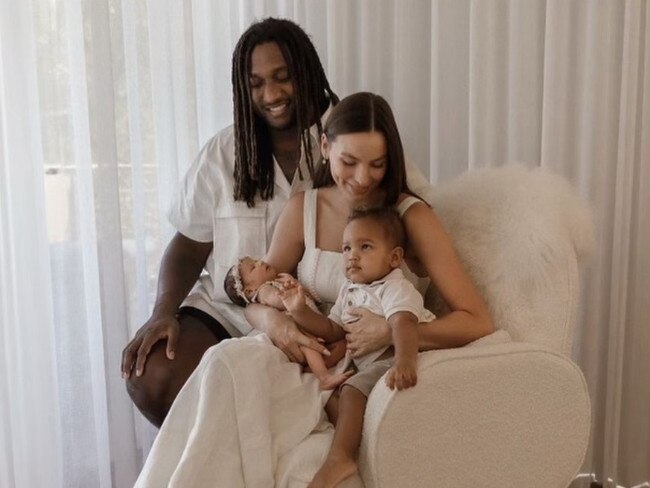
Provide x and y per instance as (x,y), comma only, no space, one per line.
(450,89)
(88,333)
(620,242)
(30,391)
(525,41)
(624,441)
(104,104)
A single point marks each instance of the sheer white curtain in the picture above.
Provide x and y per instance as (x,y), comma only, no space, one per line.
(566,86)
(104,103)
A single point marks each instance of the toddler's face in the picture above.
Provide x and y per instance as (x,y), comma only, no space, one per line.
(255,273)
(367,254)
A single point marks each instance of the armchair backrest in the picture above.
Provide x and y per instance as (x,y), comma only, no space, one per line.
(521,235)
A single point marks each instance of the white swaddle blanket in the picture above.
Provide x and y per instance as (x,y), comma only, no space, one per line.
(243,419)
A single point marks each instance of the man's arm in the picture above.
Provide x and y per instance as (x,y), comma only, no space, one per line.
(180,267)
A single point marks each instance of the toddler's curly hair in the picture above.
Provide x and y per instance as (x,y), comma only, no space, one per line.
(385,216)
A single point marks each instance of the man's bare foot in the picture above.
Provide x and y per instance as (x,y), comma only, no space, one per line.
(331,381)
(334,471)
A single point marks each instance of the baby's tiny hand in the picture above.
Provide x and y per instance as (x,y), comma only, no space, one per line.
(402,375)
(287,280)
(293,298)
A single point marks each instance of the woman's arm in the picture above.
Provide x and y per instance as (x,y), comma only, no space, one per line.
(282,331)
(369,333)
(285,251)
(469,318)
(288,242)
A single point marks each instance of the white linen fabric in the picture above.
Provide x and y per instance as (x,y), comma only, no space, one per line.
(319,271)
(105,104)
(387,296)
(231,424)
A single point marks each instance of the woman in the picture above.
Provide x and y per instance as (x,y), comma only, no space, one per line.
(265,409)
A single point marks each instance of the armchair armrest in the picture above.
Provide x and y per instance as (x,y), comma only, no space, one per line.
(507,415)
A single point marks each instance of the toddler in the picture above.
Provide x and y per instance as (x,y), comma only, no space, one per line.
(373,249)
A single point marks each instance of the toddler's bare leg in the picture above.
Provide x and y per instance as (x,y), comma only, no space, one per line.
(332,407)
(316,362)
(341,461)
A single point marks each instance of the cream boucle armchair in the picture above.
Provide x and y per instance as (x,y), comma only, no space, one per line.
(512,409)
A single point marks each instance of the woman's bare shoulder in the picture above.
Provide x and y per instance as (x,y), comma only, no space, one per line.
(326,193)
(406,204)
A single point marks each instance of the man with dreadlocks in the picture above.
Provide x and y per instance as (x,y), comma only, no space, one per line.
(228,206)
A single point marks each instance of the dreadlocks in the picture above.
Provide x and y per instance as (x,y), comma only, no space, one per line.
(254,169)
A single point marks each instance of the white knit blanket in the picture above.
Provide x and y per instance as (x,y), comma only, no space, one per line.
(237,420)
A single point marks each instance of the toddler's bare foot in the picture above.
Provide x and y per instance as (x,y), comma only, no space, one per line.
(334,471)
(331,381)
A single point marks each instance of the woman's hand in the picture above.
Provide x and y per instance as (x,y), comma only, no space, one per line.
(370,333)
(284,333)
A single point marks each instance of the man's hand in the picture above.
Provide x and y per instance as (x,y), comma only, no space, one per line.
(288,338)
(154,330)
(402,375)
(180,267)
(370,333)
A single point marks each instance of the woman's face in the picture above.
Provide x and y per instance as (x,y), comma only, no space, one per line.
(358,164)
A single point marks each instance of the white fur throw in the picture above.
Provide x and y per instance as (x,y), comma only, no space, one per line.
(520,234)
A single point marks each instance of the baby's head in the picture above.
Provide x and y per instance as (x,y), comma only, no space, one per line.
(245,277)
(373,244)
